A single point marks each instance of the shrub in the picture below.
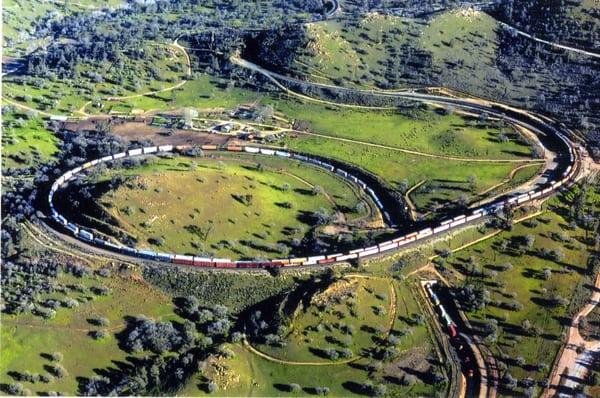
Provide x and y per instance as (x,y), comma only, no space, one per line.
(59,371)
(15,389)
(57,356)
(293,387)
(99,334)
(211,387)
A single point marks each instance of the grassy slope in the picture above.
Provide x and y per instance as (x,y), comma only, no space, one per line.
(424,131)
(463,45)
(26,337)
(25,141)
(247,374)
(263,222)
(202,92)
(300,338)
(530,289)
(68,95)
(395,167)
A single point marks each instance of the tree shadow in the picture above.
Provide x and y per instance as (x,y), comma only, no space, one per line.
(354,387)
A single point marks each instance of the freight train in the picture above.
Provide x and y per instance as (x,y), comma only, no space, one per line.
(567,176)
(450,325)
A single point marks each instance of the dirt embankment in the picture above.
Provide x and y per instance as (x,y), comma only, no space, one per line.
(139,130)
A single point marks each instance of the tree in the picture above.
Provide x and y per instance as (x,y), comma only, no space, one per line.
(520,361)
(403,186)
(526,325)
(57,356)
(360,207)
(346,353)
(211,387)
(529,241)
(98,334)
(320,216)
(15,389)
(409,380)
(293,387)
(331,354)
(445,253)
(546,274)
(59,371)
(419,319)
(220,311)
(379,390)
(472,180)
(509,381)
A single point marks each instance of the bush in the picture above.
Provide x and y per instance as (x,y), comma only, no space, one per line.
(15,389)
(158,337)
(293,387)
(211,387)
(59,371)
(57,356)
(99,334)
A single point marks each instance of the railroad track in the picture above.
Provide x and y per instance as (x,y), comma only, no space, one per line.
(538,125)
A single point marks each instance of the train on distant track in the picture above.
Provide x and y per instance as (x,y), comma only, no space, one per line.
(448,322)
(212,262)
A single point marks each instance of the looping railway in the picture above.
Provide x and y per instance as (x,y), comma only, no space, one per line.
(564,174)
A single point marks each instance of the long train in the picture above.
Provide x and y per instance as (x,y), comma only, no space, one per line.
(385,247)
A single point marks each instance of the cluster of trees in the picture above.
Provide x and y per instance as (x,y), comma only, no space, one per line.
(155,375)
(551,20)
(158,337)
(201,334)
(23,278)
(472,297)
(571,98)
(105,35)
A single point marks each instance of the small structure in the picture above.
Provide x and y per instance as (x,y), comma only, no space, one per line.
(58,118)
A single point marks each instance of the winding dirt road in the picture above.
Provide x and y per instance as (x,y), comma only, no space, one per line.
(547,42)
(572,366)
(418,153)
